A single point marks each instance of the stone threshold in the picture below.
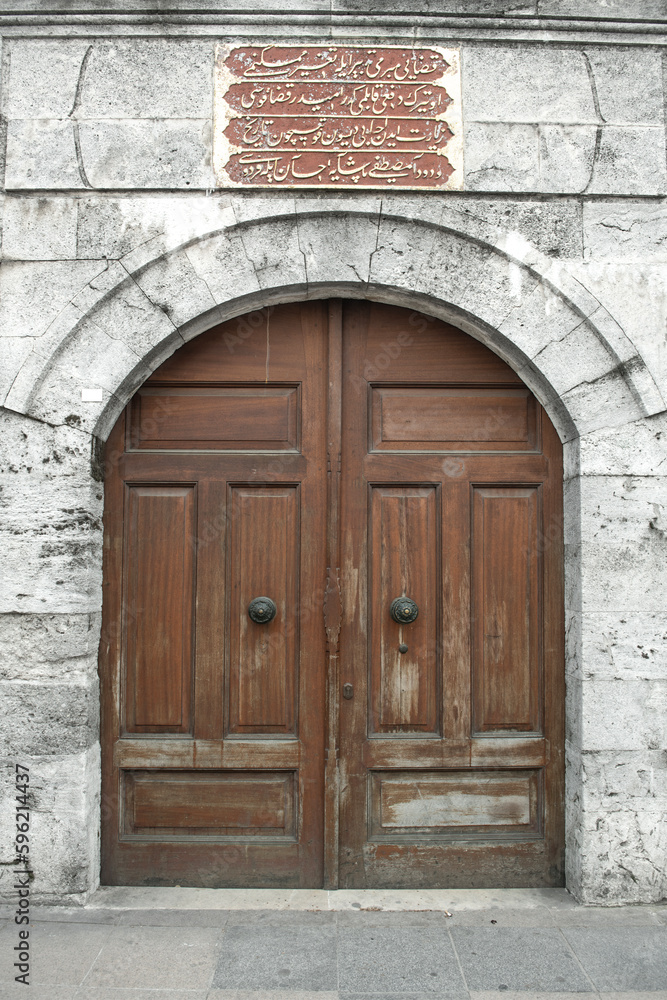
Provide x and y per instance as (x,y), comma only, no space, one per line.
(386,900)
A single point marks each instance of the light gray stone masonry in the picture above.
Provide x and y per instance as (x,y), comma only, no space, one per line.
(116,250)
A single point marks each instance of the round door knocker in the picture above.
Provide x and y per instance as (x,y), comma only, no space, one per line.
(403,610)
(262,610)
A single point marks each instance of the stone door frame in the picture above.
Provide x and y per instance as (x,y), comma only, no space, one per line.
(495,286)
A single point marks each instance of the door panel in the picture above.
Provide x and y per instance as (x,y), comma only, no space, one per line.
(457,778)
(159,634)
(216,775)
(507,651)
(263,560)
(336,458)
(404,685)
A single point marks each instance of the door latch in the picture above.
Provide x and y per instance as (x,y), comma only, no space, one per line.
(348,691)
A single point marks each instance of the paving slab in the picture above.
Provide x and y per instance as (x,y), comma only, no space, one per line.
(172,918)
(281,918)
(399,996)
(534,916)
(16,991)
(104,993)
(392,918)
(255,957)
(271,995)
(72,915)
(518,958)
(407,959)
(606,916)
(156,958)
(61,953)
(622,958)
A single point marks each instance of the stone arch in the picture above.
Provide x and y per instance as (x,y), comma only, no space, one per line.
(527,308)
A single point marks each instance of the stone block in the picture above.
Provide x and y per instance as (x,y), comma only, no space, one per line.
(554,229)
(631,645)
(607,402)
(637,779)
(261,205)
(64,824)
(627,10)
(541,318)
(48,647)
(39,229)
(50,92)
(574,359)
(32,294)
(623,854)
(115,227)
(401,253)
(636,449)
(501,157)
(132,322)
(274,251)
(503,8)
(630,160)
(147,153)
(59,575)
(625,231)
(535,960)
(356,202)
(342,253)
(566,157)
(222,263)
(62,718)
(534,83)
(175,288)
(636,295)
(41,154)
(624,543)
(451,276)
(624,715)
(148,78)
(628,82)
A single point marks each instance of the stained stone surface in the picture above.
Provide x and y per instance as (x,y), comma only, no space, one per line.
(117,249)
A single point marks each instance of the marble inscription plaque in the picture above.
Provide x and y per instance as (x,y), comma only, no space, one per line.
(332,116)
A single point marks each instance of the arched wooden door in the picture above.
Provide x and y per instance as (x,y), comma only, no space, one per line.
(392,715)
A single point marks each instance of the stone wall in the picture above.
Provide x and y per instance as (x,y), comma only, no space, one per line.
(116,249)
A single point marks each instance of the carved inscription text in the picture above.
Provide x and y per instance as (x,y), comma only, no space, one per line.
(338,116)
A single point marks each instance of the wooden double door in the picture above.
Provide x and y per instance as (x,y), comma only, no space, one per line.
(332,646)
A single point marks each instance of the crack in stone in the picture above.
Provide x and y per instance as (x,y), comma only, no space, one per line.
(301,250)
(80,81)
(377,245)
(75,106)
(79,157)
(601,120)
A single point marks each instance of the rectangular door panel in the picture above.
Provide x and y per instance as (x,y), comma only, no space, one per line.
(223,417)
(263,562)
(158,613)
(452,418)
(506,609)
(403,558)
(470,804)
(211,804)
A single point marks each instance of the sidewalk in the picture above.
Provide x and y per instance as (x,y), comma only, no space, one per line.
(230,944)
